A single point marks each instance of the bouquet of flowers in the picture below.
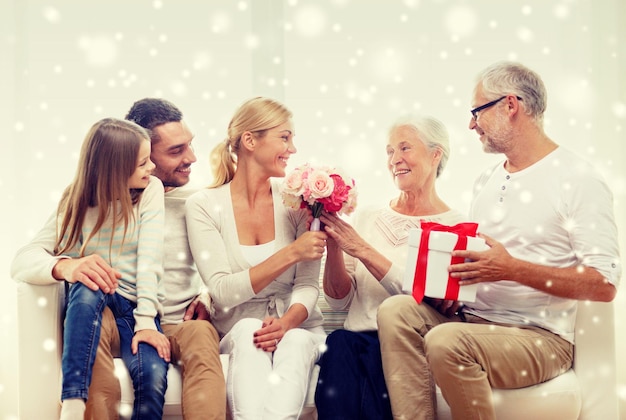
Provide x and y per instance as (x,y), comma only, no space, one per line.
(319,189)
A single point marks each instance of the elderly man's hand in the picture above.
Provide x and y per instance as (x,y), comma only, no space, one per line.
(493,264)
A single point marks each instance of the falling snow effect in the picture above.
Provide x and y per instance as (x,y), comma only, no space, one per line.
(346,68)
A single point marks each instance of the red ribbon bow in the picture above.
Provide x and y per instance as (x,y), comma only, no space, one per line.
(462,230)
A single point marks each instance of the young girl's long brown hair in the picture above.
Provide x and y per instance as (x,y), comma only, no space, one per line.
(108,158)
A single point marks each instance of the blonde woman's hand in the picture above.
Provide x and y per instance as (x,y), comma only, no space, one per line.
(270,334)
(156,339)
(309,246)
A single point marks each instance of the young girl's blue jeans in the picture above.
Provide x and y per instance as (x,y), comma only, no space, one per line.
(80,342)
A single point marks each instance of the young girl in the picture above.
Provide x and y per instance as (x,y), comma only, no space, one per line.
(261,266)
(113,210)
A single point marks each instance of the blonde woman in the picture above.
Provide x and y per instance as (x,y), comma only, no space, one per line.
(261,265)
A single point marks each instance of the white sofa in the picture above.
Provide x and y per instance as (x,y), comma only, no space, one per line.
(587,392)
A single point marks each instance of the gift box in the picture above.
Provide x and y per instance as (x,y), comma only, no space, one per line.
(429,255)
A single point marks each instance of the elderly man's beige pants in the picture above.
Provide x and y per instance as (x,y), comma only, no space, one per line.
(421,347)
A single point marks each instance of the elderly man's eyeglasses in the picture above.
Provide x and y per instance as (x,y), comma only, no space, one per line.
(476,110)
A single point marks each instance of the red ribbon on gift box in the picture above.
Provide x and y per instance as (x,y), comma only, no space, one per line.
(462,230)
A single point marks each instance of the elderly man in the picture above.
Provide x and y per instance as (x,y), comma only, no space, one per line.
(547,217)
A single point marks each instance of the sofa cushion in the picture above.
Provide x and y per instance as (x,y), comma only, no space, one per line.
(559,398)
(173,395)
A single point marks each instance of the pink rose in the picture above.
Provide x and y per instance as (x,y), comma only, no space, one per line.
(294,182)
(320,185)
(294,187)
(319,188)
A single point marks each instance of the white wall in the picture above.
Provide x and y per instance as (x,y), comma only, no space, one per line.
(346,68)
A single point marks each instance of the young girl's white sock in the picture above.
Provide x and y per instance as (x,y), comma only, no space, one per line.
(73,409)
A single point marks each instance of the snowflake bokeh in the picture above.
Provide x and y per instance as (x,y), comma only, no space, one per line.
(346,68)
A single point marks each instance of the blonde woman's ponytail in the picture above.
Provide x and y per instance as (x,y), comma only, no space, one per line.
(223,164)
(256,115)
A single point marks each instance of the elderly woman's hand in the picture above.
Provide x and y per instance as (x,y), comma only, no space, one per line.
(445,307)
(342,234)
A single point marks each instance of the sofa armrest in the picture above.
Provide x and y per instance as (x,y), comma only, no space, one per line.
(40,340)
(594,360)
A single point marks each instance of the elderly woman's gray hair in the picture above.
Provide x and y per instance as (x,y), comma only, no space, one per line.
(431,132)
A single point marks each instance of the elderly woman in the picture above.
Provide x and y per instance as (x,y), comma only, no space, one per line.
(365,265)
